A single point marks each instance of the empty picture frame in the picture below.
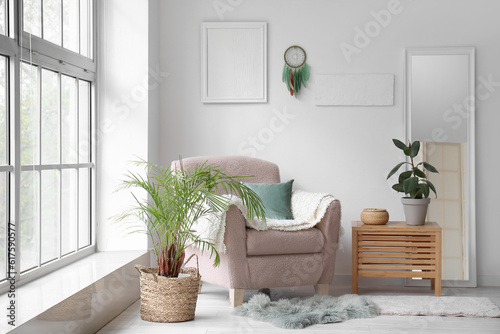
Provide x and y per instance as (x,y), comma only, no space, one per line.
(234,62)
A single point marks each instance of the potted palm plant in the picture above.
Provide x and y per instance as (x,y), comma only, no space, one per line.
(413,182)
(176,199)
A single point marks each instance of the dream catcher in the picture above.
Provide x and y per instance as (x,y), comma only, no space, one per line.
(296,72)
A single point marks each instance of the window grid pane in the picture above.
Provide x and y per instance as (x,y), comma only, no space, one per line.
(83,121)
(69,111)
(3,17)
(3,111)
(69,211)
(29,219)
(71,25)
(30,115)
(50,214)
(32,17)
(50,117)
(3,224)
(84,213)
(52,21)
(85,28)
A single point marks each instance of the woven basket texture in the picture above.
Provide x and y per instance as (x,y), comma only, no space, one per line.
(374,216)
(168,299)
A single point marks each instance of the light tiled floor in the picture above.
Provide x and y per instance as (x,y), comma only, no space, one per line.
(213,315)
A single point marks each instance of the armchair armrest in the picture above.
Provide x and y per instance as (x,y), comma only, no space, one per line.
(330,227)
(233,271)
(233,261)
(235,237)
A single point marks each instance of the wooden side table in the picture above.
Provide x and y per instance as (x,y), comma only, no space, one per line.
(396,250)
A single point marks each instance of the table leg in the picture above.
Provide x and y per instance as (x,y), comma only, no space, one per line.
(354,262)
(438,264)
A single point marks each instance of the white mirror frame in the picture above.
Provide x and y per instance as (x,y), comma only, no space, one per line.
(250,53)
(471,237)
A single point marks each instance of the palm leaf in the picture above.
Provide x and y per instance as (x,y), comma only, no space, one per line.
(176,198)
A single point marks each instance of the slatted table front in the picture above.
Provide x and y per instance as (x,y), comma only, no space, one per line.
(396,250)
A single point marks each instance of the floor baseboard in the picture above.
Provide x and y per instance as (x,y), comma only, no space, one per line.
(488,280)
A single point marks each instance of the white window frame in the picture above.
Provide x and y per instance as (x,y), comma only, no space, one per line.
(42,53)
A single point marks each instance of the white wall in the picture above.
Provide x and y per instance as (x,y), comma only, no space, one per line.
(346,151)
(124,90)
(154,107)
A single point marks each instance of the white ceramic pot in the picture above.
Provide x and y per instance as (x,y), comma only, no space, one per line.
(415,210)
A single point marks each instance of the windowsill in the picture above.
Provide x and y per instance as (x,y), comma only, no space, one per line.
(43,293)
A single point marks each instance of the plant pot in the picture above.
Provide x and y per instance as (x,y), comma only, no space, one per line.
(168,299)
(415,210)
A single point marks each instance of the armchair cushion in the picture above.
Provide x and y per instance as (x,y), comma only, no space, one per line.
(276,197)
(274,242)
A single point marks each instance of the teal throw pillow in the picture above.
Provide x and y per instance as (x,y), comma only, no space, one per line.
(276,197)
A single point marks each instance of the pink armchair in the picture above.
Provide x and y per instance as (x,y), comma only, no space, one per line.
(268,259)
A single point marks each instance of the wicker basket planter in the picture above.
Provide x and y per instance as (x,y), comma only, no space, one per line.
(374,216)
(168,299)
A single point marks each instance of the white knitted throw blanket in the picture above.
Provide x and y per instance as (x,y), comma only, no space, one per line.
(307,209)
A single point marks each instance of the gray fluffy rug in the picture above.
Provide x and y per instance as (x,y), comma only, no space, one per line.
(303,312)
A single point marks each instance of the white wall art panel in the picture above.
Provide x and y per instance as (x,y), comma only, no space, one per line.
(354,90)
(234,62)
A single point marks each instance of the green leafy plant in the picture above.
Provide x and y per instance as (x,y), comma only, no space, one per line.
(413,182)
(177,198)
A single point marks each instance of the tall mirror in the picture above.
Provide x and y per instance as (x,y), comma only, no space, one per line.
(440,114)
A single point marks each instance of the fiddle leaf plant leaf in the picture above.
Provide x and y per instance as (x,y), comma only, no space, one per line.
(395,169)
(430,167)
(403,176)
(398,187)
(399,144)
(429,183)
(425,189)
(419,173)
(413,182)
(410,184)
(415,147)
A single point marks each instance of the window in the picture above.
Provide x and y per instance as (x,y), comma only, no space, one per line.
(46,130)
(66,23)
